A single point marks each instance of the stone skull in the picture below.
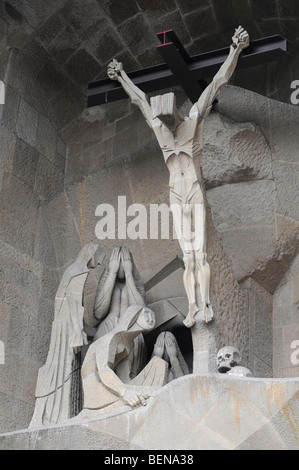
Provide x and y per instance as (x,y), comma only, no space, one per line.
(227,358)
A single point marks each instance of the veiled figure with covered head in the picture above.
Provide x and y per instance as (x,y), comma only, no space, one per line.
(102,387)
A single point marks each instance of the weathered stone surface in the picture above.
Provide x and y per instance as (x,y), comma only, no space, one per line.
(27,123)
(234,156)
(167,287)
(58,217)
(136,33)
(27,128)
(287,177)
(34,14)
(25,163)
(105,44)
(235,425)
(49,179)
(260,329)
(191,5)
(19,200)
(51,28)
(119,12)
(9,111)
(46,138)
(247,247)
(14,233)
(286,323)
(34,56)
(126,142)
(83,67)
(200,17)
(64,45)
(8,139)
(237,205)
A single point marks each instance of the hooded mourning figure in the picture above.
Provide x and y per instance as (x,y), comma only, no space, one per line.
(55,400)
(118,289)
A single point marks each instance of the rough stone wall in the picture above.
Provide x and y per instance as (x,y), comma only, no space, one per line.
(257,213)
(260,316)
(286,324)
(32,161)
(254,204)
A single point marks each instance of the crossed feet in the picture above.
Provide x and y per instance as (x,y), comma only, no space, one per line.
(207,315)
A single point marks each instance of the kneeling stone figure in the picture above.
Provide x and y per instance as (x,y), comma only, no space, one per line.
(103,389)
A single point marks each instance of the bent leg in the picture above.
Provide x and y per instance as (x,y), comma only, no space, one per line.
(153,375)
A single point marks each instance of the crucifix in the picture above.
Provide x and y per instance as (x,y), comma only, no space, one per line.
(181,139)
(179,68)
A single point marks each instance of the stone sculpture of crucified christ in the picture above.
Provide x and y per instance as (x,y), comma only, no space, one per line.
(181,140)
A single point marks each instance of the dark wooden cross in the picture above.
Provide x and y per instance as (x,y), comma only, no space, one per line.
(181,69)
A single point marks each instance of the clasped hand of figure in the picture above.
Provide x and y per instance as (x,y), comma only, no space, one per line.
(114,69)
(240,38)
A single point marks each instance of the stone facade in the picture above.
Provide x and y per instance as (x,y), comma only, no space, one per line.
(59,161)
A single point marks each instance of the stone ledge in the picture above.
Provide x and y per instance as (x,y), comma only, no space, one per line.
(216,412)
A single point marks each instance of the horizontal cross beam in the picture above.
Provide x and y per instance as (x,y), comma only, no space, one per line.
(177,60)
(189,72)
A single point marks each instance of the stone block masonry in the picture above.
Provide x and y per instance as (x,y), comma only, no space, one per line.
(32,162)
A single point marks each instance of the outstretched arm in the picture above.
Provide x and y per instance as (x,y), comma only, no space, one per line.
(205,102)
(116,72)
